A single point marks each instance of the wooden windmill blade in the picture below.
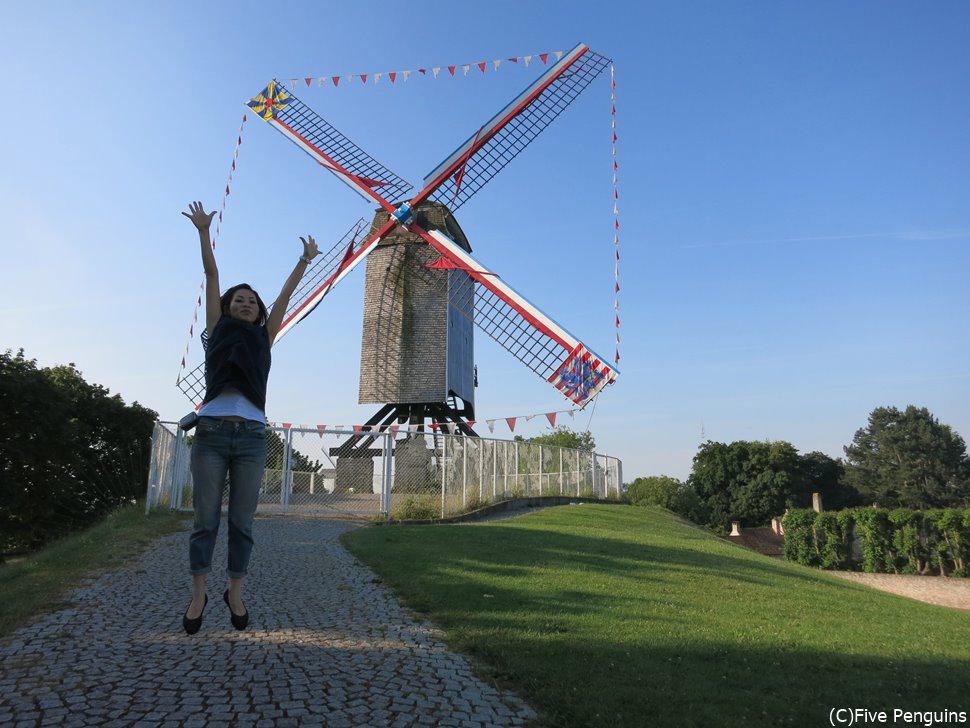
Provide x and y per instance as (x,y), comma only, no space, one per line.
(486,152)
(521,328)
(327,146)
(324,273)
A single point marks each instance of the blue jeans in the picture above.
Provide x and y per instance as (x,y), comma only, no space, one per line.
(222,447)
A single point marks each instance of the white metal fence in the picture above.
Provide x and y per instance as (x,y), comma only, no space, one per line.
(403,474)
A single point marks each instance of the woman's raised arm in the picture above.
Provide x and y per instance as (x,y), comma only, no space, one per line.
(275,319)
(202,220)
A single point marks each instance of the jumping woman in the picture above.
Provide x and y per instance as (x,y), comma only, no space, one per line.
(231,432)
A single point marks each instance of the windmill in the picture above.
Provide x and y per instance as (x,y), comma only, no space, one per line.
(423,288)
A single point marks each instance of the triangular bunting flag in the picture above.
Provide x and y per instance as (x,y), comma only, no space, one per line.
(514,60)
(358,428)
(496,64)
(392,75)
(510,421)
(292,83)
(466,68)
(406,74)
(320,81)
(491,425)
(544,57)
(423,71)
(308,80)
(287,425)
(551,416)
(434,426)
(559,55)
(435,72)
(451,70)
(481,66)
(528,60)
(363,78)
(336,80)
(320,429)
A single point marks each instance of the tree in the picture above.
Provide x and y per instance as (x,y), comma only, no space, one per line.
(909,460)
(826,475)
(69,451)
(562,436)
(745,481)
(661,490)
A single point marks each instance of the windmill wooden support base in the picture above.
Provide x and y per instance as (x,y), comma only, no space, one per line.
(355,457)
(404,414)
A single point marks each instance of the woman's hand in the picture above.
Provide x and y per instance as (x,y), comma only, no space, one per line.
(199,217)
(309,247)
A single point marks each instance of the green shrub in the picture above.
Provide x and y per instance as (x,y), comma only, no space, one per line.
(417,508)
(799,537)
(897,541)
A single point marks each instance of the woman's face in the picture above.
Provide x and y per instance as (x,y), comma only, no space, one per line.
(244,307)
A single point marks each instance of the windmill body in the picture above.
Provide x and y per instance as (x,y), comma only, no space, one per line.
(417,344)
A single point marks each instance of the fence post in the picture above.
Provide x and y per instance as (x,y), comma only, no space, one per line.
(561,484)
(540,469)
(517,487)
(444,471)
(593,473)
(178,484)
(494,469)
(464,472)
(286,476)
(386,474)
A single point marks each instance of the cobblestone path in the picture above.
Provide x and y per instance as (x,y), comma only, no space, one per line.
(327,645)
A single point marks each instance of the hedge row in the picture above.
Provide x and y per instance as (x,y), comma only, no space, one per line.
(900,541)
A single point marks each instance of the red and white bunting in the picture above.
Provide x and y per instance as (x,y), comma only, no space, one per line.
(510,421)
(616,219)
(215,238)
(407,73)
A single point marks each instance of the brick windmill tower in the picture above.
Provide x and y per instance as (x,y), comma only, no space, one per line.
(417,345)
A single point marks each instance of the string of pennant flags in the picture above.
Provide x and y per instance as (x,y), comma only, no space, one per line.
(446,427)
(432,72)
(215,238)
(616,217)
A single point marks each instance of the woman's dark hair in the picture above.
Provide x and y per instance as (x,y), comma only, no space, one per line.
(227,299)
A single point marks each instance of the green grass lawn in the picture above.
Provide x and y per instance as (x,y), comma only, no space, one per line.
(38,584)
(623,616)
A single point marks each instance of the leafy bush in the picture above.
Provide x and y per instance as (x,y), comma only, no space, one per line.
(896,541)
(70,452)
(418,508)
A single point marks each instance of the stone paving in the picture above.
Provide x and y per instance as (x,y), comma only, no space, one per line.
(327,645)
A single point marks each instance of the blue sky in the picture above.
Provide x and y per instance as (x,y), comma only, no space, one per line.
(794,179)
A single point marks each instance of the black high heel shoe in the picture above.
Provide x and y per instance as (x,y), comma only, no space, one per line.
(192,626)
(239,621)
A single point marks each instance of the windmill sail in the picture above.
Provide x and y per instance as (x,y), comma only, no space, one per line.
(522,329)
(498,142)
(330,148)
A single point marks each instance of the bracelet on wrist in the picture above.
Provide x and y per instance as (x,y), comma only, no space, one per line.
(305,259)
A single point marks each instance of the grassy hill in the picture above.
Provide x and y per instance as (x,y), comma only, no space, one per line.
(622,616)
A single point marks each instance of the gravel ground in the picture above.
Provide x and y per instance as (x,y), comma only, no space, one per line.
(942,591)
(327,645)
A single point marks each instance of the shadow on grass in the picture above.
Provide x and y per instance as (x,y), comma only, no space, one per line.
(611,626)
